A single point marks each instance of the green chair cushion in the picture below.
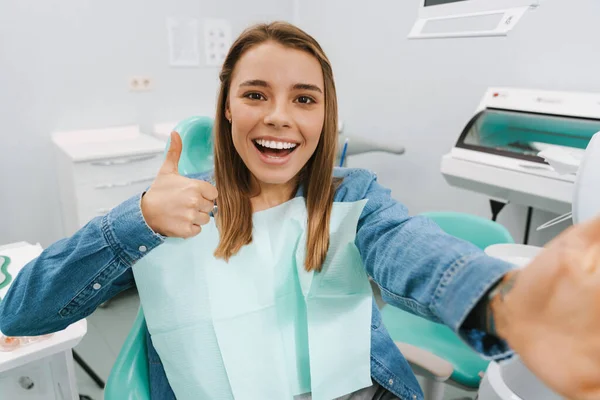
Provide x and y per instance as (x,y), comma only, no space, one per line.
(128,379)
(437,339)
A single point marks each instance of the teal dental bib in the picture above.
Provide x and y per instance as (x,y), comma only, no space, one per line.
(260,326)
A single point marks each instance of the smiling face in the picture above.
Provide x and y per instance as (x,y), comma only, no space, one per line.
(276,117)
(276,106)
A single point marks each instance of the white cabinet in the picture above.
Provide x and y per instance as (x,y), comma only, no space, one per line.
(99,169)
(40,370)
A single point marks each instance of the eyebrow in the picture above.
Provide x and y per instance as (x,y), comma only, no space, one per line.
(297,86)
(307,86)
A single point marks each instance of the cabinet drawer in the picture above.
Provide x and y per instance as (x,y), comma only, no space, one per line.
(32,381)
(117,170)
(96,200)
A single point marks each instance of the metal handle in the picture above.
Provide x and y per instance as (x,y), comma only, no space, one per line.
(123,161)
(360,145)
(123,184)
(536,167)
(26,382)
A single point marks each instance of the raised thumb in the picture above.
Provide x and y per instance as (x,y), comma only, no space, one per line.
(171,163)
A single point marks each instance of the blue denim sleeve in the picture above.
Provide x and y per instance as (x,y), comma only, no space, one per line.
(418,267)
(74,275)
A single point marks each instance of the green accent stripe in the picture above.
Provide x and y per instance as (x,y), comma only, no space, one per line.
(4,272)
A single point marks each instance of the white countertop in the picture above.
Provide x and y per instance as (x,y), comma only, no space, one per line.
(89,145)
(20,254)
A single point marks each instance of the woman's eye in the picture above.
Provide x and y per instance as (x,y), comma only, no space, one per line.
(255,96)
(305,100)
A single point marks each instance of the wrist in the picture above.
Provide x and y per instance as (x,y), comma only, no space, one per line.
(146,214)
(498,310)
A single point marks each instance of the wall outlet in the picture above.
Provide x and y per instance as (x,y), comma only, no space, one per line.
(217,40)
(140,83)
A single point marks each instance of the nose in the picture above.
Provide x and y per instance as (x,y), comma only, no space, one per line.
(278,116)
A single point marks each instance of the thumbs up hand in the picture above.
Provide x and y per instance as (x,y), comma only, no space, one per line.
(176,206)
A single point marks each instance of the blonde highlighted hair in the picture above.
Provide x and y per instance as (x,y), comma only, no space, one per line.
(232,177)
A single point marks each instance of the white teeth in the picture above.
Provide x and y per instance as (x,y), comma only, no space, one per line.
(275,145)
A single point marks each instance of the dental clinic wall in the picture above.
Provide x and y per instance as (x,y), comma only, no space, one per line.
(66,64)
(422,93)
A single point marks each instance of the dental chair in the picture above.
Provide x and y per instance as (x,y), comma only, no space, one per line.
(129,376)
(434,350)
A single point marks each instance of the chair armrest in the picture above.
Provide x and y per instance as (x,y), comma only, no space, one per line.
(434,366)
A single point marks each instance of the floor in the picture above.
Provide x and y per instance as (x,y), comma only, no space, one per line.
(107,329)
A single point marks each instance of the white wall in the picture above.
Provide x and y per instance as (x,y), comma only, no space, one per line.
(422,93)
(65,64)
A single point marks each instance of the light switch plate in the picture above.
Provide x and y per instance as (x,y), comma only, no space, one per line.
(217,40)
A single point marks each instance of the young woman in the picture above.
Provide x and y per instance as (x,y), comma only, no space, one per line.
(275,143)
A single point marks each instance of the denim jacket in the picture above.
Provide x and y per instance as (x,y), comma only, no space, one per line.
(418,267)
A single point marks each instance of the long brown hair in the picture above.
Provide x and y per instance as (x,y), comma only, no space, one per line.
(233,179)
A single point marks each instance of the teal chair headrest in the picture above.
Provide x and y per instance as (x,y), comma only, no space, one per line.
(197,139)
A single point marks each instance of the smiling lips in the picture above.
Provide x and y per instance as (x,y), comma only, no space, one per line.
(274,151)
